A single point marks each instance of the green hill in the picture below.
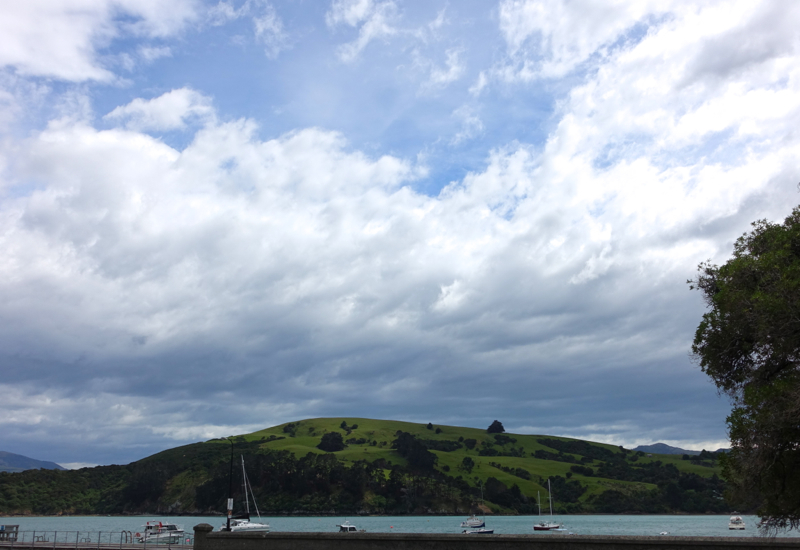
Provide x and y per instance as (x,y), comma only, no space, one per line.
(383,467)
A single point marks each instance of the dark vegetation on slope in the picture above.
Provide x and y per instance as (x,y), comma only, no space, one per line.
(378,467)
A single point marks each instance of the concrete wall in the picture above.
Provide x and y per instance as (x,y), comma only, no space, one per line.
(207,540)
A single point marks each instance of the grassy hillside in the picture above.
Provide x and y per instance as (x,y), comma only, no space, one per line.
(385,467)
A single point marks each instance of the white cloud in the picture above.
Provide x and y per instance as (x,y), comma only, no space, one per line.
(439,77)
(374,19)
(314,270)
(268,26)
(471,124)
(60,38)
(151,53)
(269,30)
(169,111)
(552,37)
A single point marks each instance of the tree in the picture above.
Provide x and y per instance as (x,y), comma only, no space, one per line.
(748,342)
(331,442)
(495,428)
(413,450)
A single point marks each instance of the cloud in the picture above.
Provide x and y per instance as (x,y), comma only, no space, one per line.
(471,124)
(268,26)
(374,19)
(151,53)
(275,268)
(439,77)
(269,30)
(61,38)
(551,38)
(169,111)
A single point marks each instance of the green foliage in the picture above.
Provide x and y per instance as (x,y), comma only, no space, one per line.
(519,472)
(470,443)
(748,342)
(583,448)
(415,451)
(495,427)
(331,442)
(422,473)
(444,445)
(290,429)
(583,470)
(504,439)
(467,464)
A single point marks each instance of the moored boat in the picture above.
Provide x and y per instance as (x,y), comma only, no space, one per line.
(473,522)
(348,527)
(160,532)
(736,522)
(547,525)
(242,522)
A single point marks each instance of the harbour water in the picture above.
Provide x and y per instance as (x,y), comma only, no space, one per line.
(705,525)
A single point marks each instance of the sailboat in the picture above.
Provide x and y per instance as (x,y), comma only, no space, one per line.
(478,523)
(547,525)
(241,522)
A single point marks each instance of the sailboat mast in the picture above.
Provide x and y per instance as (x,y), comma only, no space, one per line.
(244,485)
(550,496)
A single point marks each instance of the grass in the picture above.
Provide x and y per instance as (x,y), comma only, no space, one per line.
(308,434)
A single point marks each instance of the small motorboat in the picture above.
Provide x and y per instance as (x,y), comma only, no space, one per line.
(473,522)
(348,527)
(736,522)
(546,526)
(160,532)
(478,531)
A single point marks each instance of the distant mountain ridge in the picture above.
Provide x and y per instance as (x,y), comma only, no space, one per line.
(664,449)
(10,462)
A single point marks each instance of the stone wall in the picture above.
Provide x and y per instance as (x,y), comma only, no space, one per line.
(205,539)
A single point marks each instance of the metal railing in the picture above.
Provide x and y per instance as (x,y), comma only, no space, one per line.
(92,539)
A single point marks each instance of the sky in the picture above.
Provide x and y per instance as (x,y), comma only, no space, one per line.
(219,216)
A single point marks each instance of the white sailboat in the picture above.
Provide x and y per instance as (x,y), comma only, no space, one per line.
(479,524)
(241,522)
(548,525)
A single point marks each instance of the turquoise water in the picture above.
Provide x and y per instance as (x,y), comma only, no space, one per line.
(708,526)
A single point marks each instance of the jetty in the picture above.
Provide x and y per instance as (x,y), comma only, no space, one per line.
(205,539)
(12,537)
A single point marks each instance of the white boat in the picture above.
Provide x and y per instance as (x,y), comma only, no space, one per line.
(348,527)
(242,523)
(473,522)
(736,522)
(160,532)
(475,525)
(478,531)
(548,525)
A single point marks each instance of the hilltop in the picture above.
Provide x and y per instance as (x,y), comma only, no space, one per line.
(379,467)
(10,462)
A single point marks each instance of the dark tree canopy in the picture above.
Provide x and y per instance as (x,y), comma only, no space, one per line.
(495,428)
(749,343)
(331,442)
(415,451)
